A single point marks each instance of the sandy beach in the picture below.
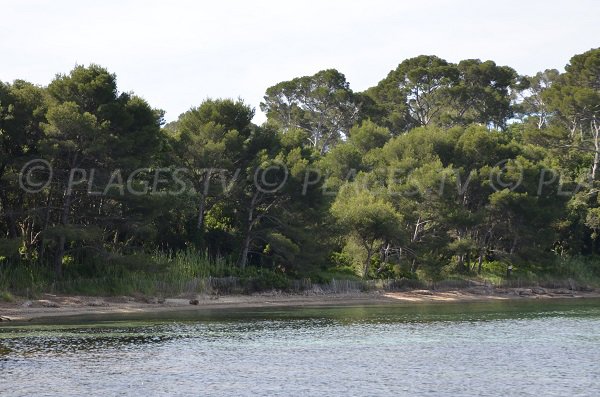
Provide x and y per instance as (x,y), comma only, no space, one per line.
(57,306)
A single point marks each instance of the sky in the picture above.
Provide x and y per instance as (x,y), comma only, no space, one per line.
(175,53)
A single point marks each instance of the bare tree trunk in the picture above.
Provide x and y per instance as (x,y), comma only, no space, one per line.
(596,130)
(416,232)
(480,263)
(386,254)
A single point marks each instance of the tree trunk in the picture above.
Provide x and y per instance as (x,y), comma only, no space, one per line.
(367,264)
(248,239)
(60,254)
(461,262)
(245,250)
(8,214)
(61,241)
(596,129)
(204,185)
(368,261)
(479,263)
(42,252)
(513,248)
(12,224)
(201,208)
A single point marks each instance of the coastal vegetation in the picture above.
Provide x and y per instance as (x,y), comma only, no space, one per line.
(442,170)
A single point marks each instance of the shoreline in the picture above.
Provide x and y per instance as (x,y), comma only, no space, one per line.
(58,307)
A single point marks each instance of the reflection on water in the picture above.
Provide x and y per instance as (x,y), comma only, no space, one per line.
(510,348)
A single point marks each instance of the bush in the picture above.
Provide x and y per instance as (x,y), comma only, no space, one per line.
(6,296)
(258,279)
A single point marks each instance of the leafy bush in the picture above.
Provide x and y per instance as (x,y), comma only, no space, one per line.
(6,296)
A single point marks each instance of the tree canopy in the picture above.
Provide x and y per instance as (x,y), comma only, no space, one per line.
(440,168)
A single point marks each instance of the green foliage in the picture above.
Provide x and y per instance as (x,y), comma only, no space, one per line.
(9,248)
(323,105)
(6,296)
(258,279)
(368,217)
(442,170)
(428,90)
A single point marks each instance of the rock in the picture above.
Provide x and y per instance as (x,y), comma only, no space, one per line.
(161,300)
(481,290)
(562,291)
(538,291)
(317,290)
(47,303)
(152,300)
(27,304)
(525,292)
(97,303)
(194,302)
(123,299)
(2,318)
(423,292)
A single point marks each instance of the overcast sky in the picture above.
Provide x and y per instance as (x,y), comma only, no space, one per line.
(177,53)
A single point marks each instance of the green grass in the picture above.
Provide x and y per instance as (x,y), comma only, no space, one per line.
(190,272)
(158,274)
(562,272)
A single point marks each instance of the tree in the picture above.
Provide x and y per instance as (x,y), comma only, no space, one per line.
(323,105)
(368,136)
(22,109)
(428,90)
(533,104)
(275,203)
(483,94)
(91,126)
(209,141)
(575,98)
(74,139)
(416,92)
(369,218)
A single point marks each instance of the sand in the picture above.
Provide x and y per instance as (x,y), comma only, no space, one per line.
(59,306)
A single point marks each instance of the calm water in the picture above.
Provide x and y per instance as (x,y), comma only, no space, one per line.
(477,349)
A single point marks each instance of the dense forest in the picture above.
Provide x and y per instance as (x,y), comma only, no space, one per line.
(440,169)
